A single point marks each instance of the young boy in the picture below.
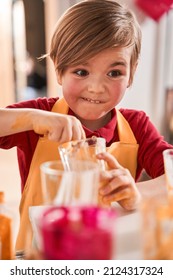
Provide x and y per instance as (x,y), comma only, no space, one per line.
(95,49)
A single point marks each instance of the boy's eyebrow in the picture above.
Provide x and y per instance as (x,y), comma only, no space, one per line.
(117,63)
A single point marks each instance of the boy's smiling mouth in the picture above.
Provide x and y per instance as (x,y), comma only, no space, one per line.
(91,100)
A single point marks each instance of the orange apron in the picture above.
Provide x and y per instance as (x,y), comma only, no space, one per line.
(125,152)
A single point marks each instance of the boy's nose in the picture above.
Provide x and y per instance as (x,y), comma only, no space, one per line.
(96,85)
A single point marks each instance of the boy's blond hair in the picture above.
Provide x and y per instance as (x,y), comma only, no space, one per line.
(90,27)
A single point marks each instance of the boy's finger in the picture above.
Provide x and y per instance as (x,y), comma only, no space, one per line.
(111,161)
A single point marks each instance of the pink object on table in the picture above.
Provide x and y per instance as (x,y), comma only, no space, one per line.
(154,8)
(77,233)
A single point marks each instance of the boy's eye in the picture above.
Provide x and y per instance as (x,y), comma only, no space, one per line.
(114,73)
(81,72)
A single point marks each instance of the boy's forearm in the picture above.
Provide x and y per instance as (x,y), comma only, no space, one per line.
(153,187)
(55,126)
(15,120)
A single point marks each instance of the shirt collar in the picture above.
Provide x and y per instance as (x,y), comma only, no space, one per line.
(106,132)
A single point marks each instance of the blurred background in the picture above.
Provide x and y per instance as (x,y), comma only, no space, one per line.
(26,27)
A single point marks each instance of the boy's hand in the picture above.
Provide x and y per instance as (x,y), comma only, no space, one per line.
(58,127)
(120,186)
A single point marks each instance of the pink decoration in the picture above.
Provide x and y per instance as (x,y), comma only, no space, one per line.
(154,8)
(83,233)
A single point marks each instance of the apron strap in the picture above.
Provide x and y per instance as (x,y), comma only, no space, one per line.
(124,130)
(60,106)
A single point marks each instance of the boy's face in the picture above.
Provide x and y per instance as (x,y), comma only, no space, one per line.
(94,88)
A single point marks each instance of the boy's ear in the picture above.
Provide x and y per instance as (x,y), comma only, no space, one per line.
(59,78)
(132,72)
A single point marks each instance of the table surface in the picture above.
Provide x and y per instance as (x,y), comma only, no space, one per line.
(128,236)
